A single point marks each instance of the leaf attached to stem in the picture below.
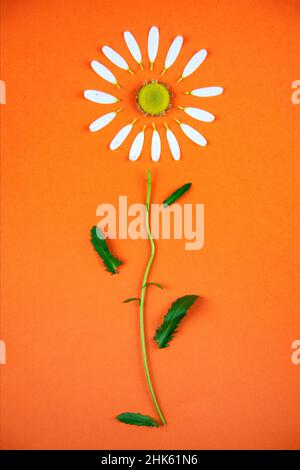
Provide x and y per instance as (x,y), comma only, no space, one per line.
(110,262)
(172,320)
(137,419)
(177,194)
(153,284)
(131,299)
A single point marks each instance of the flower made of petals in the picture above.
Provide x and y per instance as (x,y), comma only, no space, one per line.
(154,96)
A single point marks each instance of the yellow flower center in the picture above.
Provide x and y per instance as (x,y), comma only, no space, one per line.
(154,98)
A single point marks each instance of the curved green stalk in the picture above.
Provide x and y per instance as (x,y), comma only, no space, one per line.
(142,302)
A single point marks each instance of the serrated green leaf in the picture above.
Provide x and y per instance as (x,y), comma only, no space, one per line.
(177,194)
(110,262)
(137,419)
(131,299)
(172,319)
(153,284)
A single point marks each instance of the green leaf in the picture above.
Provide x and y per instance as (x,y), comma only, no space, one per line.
(137,419)
(131,299)
(172,320)
(110,262)
(177,194)
(153,284)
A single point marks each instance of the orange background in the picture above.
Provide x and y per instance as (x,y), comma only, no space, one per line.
(73,352)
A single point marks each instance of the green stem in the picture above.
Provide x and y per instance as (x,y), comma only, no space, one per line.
(142,302)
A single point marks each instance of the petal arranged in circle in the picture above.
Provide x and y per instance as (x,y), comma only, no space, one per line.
(206,91)
(103,72)
(115,58)
(121,136)
(198,114)
(153,41)
(103,121)
(155,146)
(194,63)
(137,146)
(100,97)
(133,46)
(193,135)
(173,52)
(173,144)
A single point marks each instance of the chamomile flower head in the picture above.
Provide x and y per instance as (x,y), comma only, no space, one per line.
(153,95)
(154,98)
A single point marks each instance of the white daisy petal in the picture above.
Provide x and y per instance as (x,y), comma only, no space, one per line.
(121,136)
(104,72)
(133,47)
(115,58)
(100,97)
(193,64)
(137,146)
(153,41)
(192,134)
(103,121)
(155,145)
(173,53)
(198,114)
(173,144)
(206,91)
